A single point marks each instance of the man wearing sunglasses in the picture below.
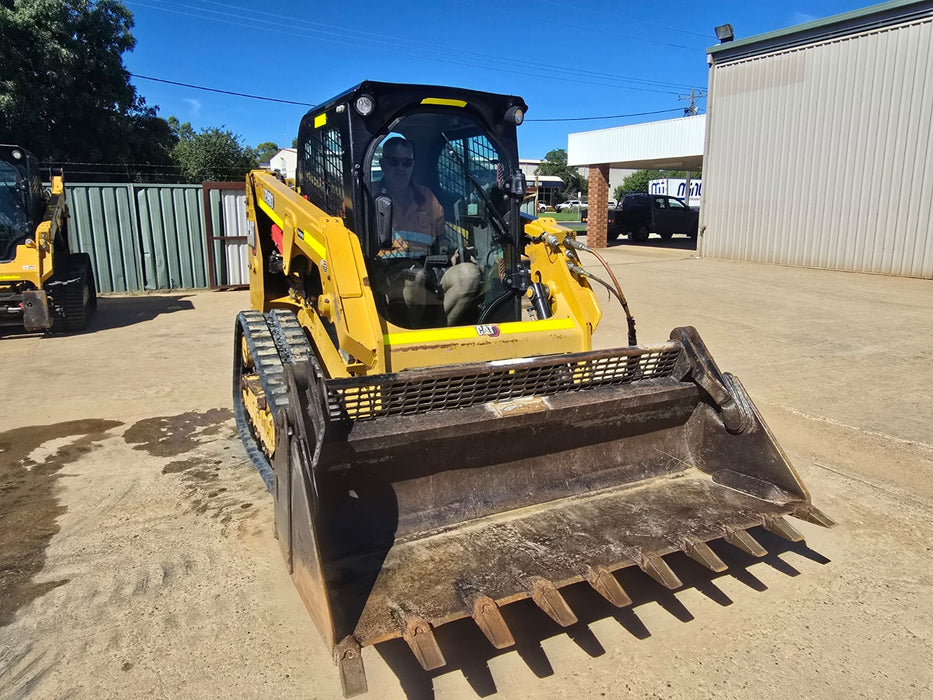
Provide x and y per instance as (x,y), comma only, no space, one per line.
(417,216)
(417,230)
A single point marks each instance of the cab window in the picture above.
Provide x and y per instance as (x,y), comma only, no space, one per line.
(14,219)
(439,265)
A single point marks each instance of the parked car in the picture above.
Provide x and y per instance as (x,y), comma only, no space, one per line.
(570,204)
(642,214)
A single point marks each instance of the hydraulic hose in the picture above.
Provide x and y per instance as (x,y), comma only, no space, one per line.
(497,304)
(573,244)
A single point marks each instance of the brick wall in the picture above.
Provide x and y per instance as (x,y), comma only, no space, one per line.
(598,215)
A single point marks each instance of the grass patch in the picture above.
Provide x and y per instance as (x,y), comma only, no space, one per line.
(561,215)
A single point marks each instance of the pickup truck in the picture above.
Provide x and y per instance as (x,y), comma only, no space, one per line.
(641,214)
(569,204)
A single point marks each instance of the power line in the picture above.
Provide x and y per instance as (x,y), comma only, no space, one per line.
(393,42)
(693,97)
(273,99)
(223,92)
(114,165)
(391,45)
(562,5)
(611,116)
(306,104)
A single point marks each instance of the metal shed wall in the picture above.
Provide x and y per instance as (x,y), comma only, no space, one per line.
(103,224)
(171,230)
(822,155)
(140,237)
(230,252)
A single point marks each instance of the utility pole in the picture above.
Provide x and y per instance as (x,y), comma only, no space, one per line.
(689,112)
(693,97)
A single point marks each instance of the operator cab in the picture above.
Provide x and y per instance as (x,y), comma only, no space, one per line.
(21,198)
(429,197)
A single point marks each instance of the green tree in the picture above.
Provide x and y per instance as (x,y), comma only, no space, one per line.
(64,91)
(212,154)
(555,163)
(265,151)
(638,181)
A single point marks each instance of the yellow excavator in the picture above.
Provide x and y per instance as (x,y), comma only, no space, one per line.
(43,284)
(416,383)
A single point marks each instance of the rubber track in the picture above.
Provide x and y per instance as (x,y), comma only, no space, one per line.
(76,313)
(272,339)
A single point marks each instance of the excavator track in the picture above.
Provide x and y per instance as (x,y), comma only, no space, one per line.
(271,340)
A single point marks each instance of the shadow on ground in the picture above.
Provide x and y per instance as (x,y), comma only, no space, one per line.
(467,650)
(655,241)
(119,312)
(122,311)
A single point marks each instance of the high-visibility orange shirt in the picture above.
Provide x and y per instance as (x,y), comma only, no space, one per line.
(417,227)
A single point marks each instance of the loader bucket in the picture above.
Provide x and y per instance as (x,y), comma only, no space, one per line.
(406,501)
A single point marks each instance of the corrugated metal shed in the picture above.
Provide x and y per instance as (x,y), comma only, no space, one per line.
(671,143)
(140,237)
(230,252)
(820,151)
(171,230)
(103,224)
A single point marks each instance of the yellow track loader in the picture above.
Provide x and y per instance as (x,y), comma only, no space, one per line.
(43,284)
(416,383)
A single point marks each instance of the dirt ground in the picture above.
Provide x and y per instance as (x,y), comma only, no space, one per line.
(137,557)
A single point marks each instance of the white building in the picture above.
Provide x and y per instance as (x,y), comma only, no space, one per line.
(285,161)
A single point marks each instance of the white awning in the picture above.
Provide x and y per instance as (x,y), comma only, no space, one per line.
(672,144)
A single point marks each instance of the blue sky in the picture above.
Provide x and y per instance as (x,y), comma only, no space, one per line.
(566,60)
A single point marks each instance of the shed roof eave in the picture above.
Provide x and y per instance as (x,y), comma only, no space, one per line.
(686,163)
(872,17)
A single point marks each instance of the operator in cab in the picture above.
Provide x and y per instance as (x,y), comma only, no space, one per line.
(418,230)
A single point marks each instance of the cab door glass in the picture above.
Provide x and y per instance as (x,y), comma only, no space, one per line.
(14,219)
(443,175)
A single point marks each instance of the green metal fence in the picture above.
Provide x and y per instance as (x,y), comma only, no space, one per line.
(141,236)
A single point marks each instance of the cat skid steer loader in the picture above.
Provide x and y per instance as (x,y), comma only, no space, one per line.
(430,464)
(43,284)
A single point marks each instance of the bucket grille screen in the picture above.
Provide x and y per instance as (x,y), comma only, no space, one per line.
(420,391)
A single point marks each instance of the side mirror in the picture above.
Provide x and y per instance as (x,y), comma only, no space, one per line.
(384,221)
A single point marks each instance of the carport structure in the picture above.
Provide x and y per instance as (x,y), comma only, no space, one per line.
(672,144)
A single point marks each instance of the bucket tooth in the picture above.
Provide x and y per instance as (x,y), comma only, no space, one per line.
(548,598)
(490,621)
(607,585)
(780,527)
(423,644)
(700,552)
(741,539)
(814,515)
(653,565)
(349,661)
